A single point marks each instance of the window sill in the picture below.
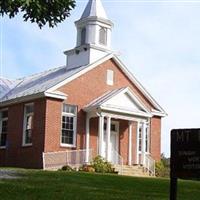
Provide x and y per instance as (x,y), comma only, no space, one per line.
(3,147)
(27,145)
(68,145)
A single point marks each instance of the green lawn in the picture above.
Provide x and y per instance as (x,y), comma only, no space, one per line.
(36,184)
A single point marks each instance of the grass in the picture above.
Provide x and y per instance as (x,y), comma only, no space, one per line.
(36,185)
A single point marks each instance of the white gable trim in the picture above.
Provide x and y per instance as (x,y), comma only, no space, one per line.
(125,117)
(138,84)
(141,110)
(56,95)
(85,70)
(132,96)
(31,97)
(158,113)
(121,111)
(124,69)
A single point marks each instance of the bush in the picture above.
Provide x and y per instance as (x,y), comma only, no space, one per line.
(87,168)
(163,167)
(67,168)
(101,166)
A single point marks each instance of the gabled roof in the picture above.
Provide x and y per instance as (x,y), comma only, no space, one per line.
(50,81)
(120,100)
(159,110)
(94,8)
(37,83)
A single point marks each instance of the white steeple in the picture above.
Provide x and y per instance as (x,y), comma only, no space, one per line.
(94,8)
(93,36)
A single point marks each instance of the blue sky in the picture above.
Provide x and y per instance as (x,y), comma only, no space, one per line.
(159,41)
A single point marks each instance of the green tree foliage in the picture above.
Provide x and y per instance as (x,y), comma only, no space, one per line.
(163,167)
(42,12)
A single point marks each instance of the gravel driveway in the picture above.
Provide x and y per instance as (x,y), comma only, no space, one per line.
(8,174)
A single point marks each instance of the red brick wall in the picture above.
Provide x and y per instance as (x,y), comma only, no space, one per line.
(94,135)
(47,120)
(53,127)
(92,84)
(155,140)
(123,140)
(15,154)
(82,91)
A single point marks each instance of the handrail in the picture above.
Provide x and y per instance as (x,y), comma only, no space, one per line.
(149,164)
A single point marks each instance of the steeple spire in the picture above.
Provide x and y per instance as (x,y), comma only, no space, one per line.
(93,36)
(94,8)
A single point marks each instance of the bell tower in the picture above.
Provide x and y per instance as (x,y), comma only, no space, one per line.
(93,36)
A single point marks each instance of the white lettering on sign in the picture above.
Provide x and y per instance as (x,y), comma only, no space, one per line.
(194,159)
(186,153)
(183,136)
(191,166)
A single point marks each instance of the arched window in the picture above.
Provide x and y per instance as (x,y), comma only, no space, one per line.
(103,36)
(83,36)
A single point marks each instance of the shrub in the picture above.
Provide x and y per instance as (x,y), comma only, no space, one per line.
(162,168)
(101,166)
(67,168)
(87,168)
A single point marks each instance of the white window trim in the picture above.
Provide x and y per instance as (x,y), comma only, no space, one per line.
(1,121)
(140,150)
(148,139)
(24,125)
(74,125)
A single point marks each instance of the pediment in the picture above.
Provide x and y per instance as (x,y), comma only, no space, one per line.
(125,100)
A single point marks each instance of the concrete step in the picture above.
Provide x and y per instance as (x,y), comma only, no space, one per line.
(135,170)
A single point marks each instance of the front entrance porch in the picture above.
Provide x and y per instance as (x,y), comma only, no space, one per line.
(123,133)
(118,129)
(119,140)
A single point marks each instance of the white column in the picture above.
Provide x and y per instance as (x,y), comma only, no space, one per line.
(108,150)
(130,143)
(143,141)
(101,134)
(87,142)
(137,143)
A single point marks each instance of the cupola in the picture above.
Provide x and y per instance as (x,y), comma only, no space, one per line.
(93,36)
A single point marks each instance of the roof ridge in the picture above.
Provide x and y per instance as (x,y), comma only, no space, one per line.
(48,70)
(9,91)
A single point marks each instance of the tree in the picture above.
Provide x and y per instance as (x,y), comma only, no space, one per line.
(42,12)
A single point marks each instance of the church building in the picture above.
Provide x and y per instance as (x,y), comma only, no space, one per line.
(93,105)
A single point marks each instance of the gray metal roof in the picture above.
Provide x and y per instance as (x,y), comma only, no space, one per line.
(34,84)
(6,85)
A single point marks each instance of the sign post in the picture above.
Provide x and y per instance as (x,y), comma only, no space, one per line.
(185,157)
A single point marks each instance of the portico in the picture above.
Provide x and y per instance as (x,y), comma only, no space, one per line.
(111,109)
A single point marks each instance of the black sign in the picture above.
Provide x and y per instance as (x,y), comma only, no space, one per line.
(185,153)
